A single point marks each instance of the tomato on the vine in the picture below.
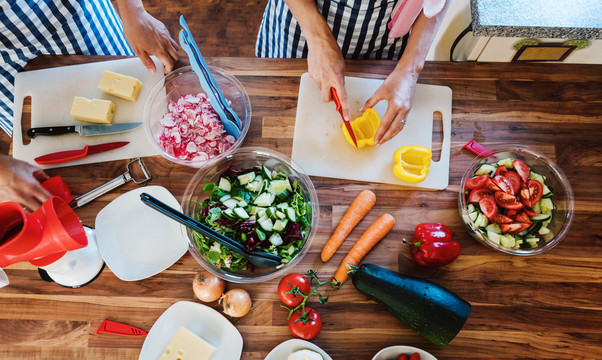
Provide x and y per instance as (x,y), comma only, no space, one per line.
(305,327)
(286,286)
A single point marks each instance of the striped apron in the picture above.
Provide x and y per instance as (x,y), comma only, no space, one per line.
(29,28)
(359,26)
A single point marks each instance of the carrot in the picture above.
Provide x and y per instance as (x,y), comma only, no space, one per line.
(360,206)
(381,227)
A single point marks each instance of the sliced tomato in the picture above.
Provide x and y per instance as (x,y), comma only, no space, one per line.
(488,207)
(522,169)
(503,183)
(522,217)
(535,191)
(491,185)
(507,201)
(530,212)
(511,213)
(514,180)
(477,194)
(501,219)
(477,181)
(501,170)
(525,197)
(514,228)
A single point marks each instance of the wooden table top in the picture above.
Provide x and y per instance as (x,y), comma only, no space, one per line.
(542,307)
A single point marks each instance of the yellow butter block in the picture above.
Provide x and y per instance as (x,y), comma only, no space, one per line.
(123,86)
(95,110)
(185,346)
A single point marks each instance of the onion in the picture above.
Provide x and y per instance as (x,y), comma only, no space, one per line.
(237,303)
(207,287)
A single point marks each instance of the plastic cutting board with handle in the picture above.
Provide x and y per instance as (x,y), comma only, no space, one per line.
(320,148)
(52,92)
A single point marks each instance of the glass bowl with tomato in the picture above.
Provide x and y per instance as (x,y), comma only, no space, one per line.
(258,198)
(517,201)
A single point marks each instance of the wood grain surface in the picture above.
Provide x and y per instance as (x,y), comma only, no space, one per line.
(543,307)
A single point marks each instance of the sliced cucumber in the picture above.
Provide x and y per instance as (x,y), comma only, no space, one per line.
(225,197)
(246,178)
(279,225)
(547,193)
(271,212)
(230,203)
(265,199)
(494,228)
(470,208)
(486,169)
(473,215)
(225,184)
(546,206)
(507,162)
(543,231)
(275,239)
(266,224)
(533,229)
(266,172)
(253,186)
(241,213)
(531,240)
(493,236)
(537,177)
(291,215)
(229,214)
(282,206)
(541,217)
(280,214)
(481,221)
(278,186)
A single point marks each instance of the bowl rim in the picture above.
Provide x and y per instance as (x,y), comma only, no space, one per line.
(307,183)
(521,150)
(187,69)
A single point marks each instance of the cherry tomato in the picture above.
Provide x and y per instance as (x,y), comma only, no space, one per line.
(286,285)
(525,197)
(501,170)
(477,194)
(307,328)
(514,228)
(514,180)
(492,185)
(522,169)
(501,219)
(415,356)
(477,181)
(488,207)
(503,183)
(507,201)
(535,191)
(404,356)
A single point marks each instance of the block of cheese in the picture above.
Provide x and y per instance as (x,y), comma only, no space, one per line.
(95,110)
(186,345)
(123,86)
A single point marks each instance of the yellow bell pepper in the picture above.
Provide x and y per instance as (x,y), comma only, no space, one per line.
(364,128)
(412,163)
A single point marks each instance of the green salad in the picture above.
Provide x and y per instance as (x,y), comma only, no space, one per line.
(259,208)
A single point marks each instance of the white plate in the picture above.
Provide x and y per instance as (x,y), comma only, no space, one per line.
(392,352)
(282,351)
(199,319)
(137,241)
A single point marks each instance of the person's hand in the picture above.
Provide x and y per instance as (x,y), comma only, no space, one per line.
(326,66)
(20,183)
(148,36)
(398,91)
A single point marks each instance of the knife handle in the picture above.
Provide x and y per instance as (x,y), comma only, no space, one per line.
(335,98)
(50,130)
(62,156)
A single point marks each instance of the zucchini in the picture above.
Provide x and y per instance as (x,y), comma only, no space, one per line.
(425,307)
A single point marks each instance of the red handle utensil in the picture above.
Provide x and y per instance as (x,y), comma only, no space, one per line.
(337,102)
(117,328)
(70,155)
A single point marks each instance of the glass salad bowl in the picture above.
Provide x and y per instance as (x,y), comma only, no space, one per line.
(261,199)
(548,219)
(184,135)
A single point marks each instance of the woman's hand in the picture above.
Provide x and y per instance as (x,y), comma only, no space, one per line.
(148,36)
(398,90)
(20,183)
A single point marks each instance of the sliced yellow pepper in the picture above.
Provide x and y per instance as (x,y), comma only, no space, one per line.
(364,128)
(412,163)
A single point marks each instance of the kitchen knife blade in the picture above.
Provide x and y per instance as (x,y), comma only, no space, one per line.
(83,130)
(337,102)
(70,155)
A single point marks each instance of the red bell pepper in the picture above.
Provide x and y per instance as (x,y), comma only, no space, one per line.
(433,246)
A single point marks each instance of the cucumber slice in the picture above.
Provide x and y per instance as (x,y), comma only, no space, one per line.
(473,215)
(253,186)
(493,236)
(261,212)
(486,169)
(265,199)
(470,208)
(242,203)
(481,221)
(507,162)
(546,206)
(547,193)
(537,177)
(278,186)
(291,215)
(534,228)
(543,231)
(225,184)
(493,227)
(531,240)
(282,206)
(229,214)
(541,217)
(230,203)
(267,173)
(280,214)
(225,197)
(246,178)
(279,225)
(241,213)
(266,224)
(271,212)
(276,239)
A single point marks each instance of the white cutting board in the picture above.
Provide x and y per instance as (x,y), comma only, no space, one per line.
(321,149)
(52,92)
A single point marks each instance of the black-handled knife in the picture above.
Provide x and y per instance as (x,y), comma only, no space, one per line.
(83,130)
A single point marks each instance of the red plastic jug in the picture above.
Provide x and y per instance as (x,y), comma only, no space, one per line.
(42,237)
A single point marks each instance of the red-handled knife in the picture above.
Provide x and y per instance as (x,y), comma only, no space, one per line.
(117,328)
(70,155)
(337,102)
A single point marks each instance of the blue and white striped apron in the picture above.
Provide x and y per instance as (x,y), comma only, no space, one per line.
(359,26)
(29,28)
